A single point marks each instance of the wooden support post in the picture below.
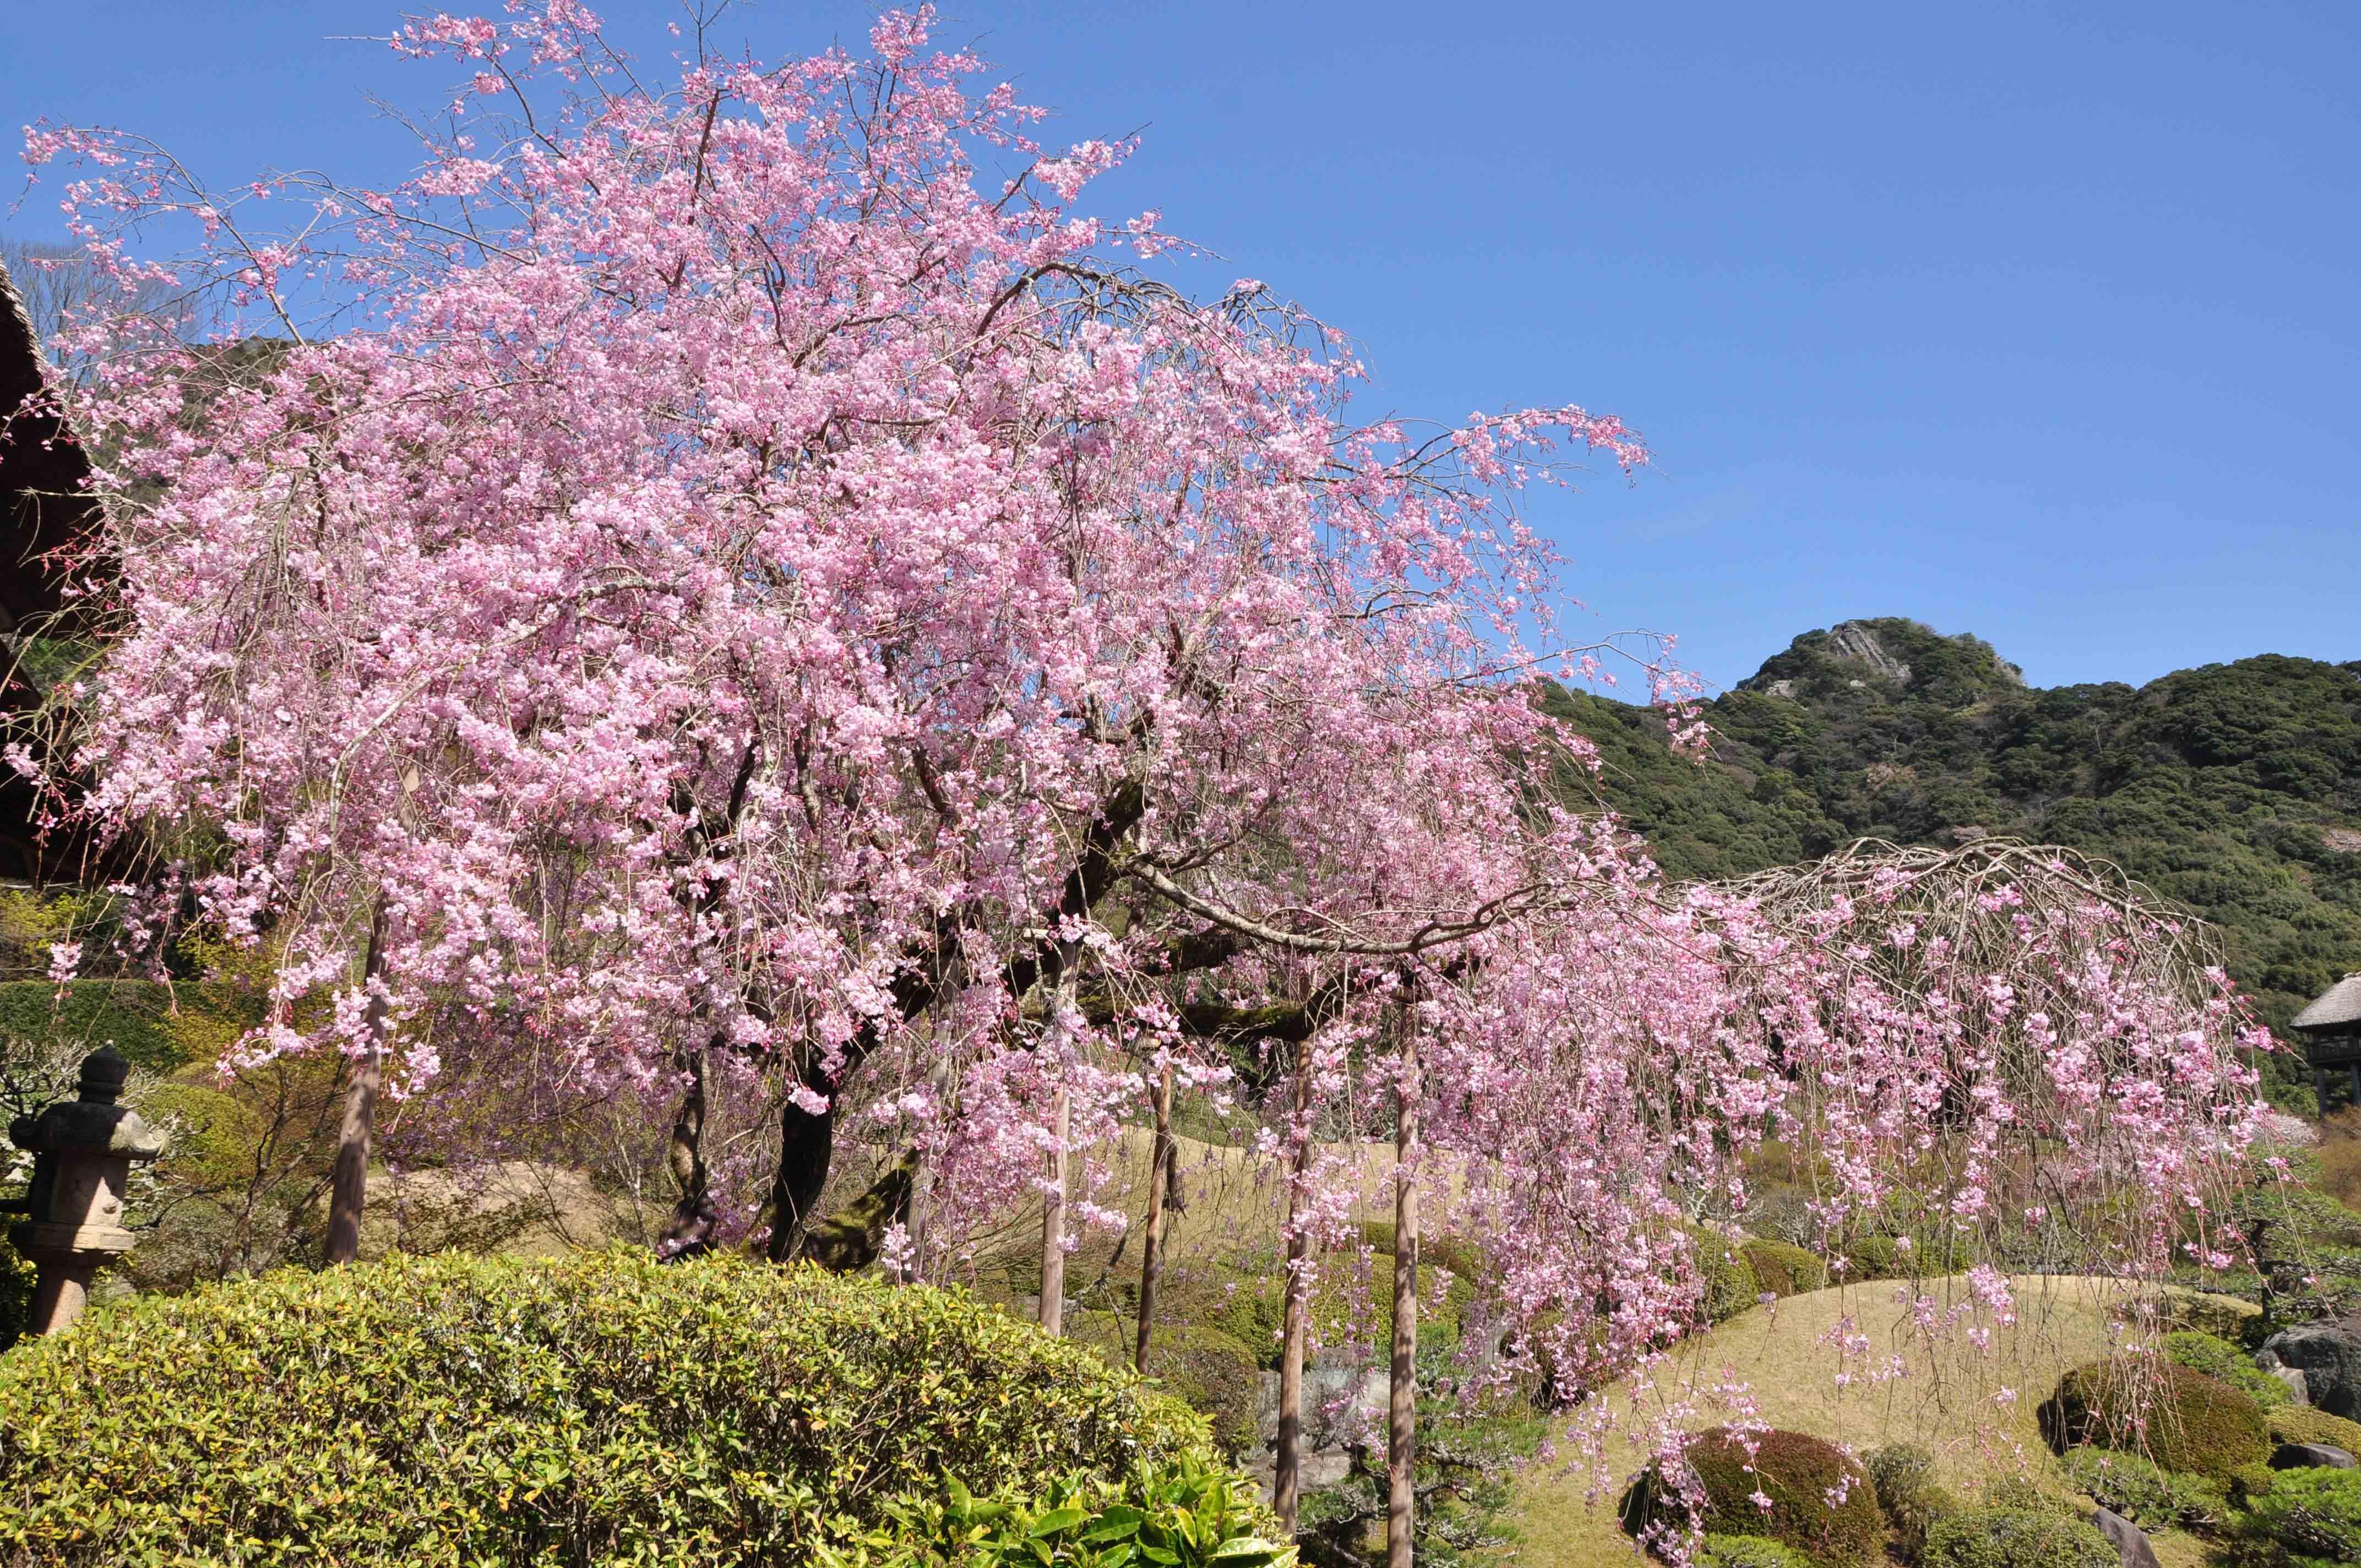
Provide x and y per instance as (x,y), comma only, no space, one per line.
(1151,1240)
(1286,1465)
(1402,1398)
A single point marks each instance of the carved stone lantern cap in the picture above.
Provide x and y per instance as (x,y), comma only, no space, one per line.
(92,1120)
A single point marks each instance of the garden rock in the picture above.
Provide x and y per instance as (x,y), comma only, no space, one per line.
(2129,1541)
(2330,1360)
(2298,1384)
(2310,1456)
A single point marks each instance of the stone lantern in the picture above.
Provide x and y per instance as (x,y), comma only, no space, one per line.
(82,1152)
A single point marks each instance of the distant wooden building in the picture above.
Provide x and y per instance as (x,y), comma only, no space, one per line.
(2330,1028)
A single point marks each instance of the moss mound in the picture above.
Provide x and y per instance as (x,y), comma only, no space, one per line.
(2180,1417)
(593,1409)
(1798,1474)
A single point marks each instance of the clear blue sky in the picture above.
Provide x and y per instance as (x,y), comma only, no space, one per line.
(2035,321)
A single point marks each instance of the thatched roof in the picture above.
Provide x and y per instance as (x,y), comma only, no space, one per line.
(2338,1007)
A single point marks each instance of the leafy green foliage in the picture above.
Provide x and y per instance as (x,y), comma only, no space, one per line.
(2301,1423)
(2231,788)
(595,1409)
(2219,1358)
(2015,1537)
(2308,1517)
(2182,1419)
(1182,1515)
(1798,1474)
(16,1277)
(2150,1497)
(1749,1552)
(1209,1371)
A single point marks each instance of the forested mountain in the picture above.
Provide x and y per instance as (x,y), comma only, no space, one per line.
(2233,789)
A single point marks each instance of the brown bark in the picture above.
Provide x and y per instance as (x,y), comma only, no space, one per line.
(348,1186)
(1286,1466)
(1151,1237)
(1402,1397)
(1053,1227)
(690,1232)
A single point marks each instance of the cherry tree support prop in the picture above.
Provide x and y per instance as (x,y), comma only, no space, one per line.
(1401,1396)
(1163,1174)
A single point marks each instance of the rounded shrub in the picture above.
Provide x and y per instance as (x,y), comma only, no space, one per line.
(2181,1418)
(1902,1475)
(2016,1537)
(1730,1286)
(2309,1517)
(2151,1498)
(585,1409)
(1782,1269)
(1800,1475)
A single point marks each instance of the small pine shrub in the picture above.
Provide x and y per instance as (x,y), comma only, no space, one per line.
(593,1409)
(1785,1270)
(2309,1517)
(2217,1357)
(1904,1478)
(1749,1552)
(2181,1418)
(1798,1474)
(2150,1497)
(2249,1482)
(2016,1537)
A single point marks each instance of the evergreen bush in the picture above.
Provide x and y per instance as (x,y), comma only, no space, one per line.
(2016,1537)
(595,1409)
(2217,1357)
(1800,1475)
(2151,1498)
(2309,1518)
(2182,1419)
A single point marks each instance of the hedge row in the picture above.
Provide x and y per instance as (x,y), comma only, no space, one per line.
(593,1409)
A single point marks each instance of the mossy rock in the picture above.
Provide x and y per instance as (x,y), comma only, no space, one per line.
(2199,1312)
(1209,1371)
(2181,1418)
(1782,1269)
(1796,1472)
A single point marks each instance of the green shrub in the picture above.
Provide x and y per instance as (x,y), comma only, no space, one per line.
(2309,1517)
(2301,1423)
(599,1407)
(1730,1286)
(1464,1259)
(2016,1493)
(1798,1474)
(1904,1478)
(2251,1481)
(1785,1270)
(2016,1537)
(2181,1418)
(1209,1371)
(1185,1514)
(16,1277)
(1749,1552)
(2151,1498)
(1938,1251)
(2217,1357)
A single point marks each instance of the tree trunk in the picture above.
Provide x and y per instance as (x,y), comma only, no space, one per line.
(1151,1236)
(1286,1466)
(690,1234)
(348,1187)
(806,1144)
(1402,1398)
(1053,1226)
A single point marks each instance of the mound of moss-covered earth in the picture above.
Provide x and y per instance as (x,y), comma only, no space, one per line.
(2233,789)
(595,1409)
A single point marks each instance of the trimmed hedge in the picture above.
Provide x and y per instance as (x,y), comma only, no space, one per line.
(1785,1270)
(2016,1537)
(499,1411)
(1797,1472)
(1727,1280)
(2191,1421)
